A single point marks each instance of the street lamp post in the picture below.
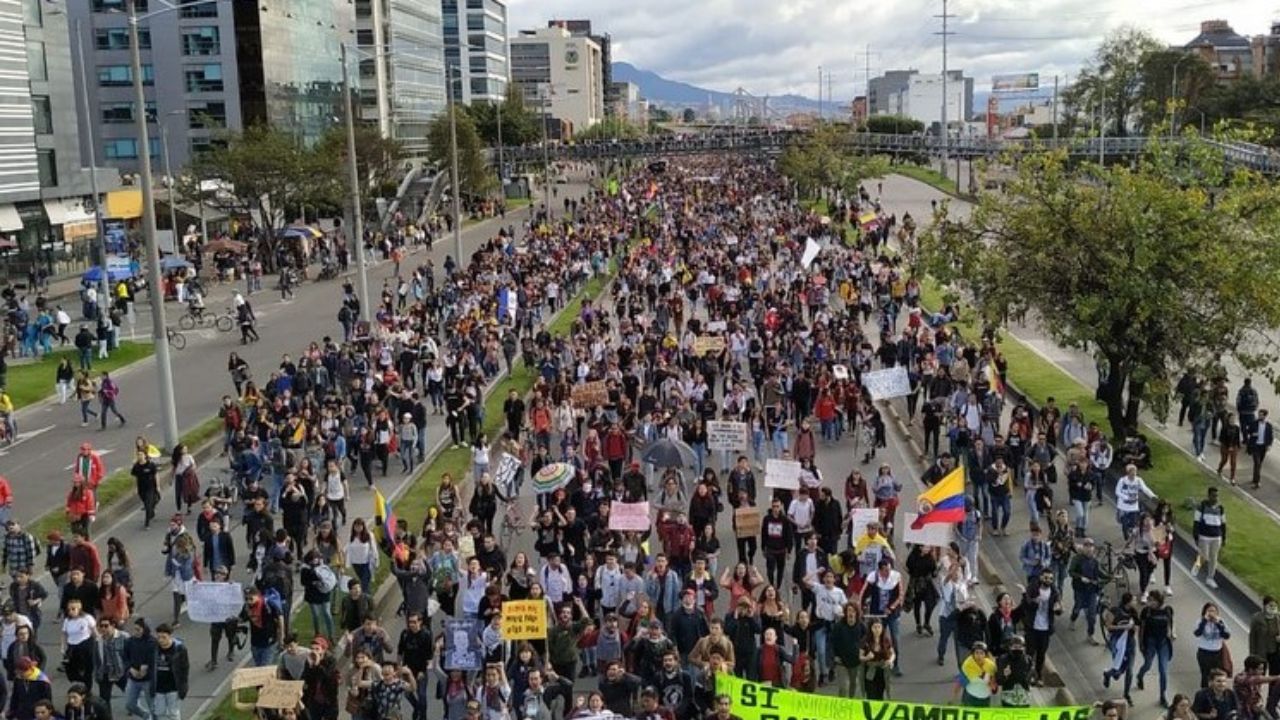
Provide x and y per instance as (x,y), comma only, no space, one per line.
(357,222)
(453,155)
(168,171)
(93,168)
(546,161)
(155,292)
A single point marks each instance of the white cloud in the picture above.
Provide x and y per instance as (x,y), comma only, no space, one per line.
(775,46)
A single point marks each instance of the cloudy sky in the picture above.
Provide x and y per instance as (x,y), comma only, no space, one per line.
(775,46)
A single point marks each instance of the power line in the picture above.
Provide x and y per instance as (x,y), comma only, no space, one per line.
(945,34)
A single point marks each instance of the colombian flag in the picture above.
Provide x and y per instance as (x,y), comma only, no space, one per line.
(383,509)
(944,502)
(993,377)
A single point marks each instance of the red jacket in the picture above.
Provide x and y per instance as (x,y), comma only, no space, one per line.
(97,470)
(85,557)
(80,507)
(615,445)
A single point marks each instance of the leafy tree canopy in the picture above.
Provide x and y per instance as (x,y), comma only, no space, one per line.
(825,158)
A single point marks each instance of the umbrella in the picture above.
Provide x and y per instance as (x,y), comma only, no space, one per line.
(224,244)
(668,453)
(94,274)
(295,233)
(554,476)
(173,262)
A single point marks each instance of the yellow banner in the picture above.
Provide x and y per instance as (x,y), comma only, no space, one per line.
(524,620)
(124,204)
(758,701)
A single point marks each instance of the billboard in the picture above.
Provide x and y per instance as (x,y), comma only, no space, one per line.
(1017,81)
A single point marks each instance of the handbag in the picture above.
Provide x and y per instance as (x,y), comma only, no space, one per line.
(355,702)
(1227,663)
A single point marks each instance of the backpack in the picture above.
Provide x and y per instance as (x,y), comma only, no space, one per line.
(273,600)
(325,578)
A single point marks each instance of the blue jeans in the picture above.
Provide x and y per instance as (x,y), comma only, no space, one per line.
(1086,599)
(1159,652)
(822,650)
(829,430)
(1128,521)
(86,358)
(700,452)
(1199,430)
(264,656)
(277,487)
(757,445)
(407,459)
(1001,510)
(136,702)
(364,574)
(946,627)
(891,623)
(322,611)
(982,498)
(1080,509)
(166,706)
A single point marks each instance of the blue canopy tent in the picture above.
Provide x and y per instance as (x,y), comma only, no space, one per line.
(122,272)
(173,262)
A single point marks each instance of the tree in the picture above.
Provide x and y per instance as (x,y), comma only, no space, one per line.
(379,163)
(825,158)
(267,172)
(1132,263)
(688,115)
(475,177)
(892,125)
(1113,79)
(610,128)
(519,125)
(1249,101)
(659,115)
(1156,95)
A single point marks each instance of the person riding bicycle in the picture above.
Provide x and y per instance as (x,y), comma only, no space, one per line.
(195,303)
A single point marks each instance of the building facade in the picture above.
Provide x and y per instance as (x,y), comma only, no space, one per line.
(46,202)
(582,28)
(1228,53)
(412,88)
(475,43)
(559,73)
(915,95)
(881,90)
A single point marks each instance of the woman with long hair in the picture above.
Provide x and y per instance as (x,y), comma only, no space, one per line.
(362,552)
(773,612)
(185,482)
(182,568)
(519,577)
(876,654)
(113,599)
(803,674)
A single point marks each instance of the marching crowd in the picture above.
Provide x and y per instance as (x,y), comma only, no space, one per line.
(639,622)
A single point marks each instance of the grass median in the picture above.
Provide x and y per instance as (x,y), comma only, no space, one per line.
(1174,475)
(30,382)
(928,176)
(413,503)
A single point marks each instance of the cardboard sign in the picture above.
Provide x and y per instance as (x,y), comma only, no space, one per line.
(885,384)
(590,394)
(931,535)
(466,546)
(213,602)
(783,474)
(280,694)
(859,519)
(726,435)
(708,344)
(746,522)
(524,620)
(811,250)
(253,676)
(463,647)
(505,475)
(629,516)
(717,326)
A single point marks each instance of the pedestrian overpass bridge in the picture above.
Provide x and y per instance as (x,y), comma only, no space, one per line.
(1239,154)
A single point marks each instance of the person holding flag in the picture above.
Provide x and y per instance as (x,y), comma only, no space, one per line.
(943,502)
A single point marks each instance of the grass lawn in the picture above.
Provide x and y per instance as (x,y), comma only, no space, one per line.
(928,176)
(412,505)
(31,382)
(1174,475)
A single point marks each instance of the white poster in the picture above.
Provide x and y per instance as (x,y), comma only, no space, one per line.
(213,602)
(811,250)
(783,474)
(726,435)
(859,519)
(885,384)
(505,476)
(931,535)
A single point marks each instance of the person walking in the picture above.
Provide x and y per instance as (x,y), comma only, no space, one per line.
(65,380)
(1261,436)
(1156,634)
(1230,439)
(1264,643)
(86,391)
(108,392)
(1210,532)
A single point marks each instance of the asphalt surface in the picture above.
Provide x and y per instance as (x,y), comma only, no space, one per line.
(39,466)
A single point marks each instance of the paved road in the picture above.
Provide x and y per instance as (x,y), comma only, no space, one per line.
(1079,662)
(201,378)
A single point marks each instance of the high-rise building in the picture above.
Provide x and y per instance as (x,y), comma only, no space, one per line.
(475,42)
(213,65)
(582,28)
(46,205)
(881,89)
(559,74)
(411,89)
(919,96)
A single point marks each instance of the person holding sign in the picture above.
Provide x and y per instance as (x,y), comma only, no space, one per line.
(977,679)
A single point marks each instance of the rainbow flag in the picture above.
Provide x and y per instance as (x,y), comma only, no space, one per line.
(382,508)
(944,502)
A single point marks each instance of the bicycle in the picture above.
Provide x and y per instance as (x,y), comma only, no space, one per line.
(224,322)
(1117,564)
(177,340)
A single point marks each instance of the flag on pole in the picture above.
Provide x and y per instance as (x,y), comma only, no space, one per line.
(382,509)
(944,502)
(993,377)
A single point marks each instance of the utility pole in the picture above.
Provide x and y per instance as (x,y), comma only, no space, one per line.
(380,70)
(1173,99)
(1102,125)
(103,294)
(155,291)
(819,92)
(453,151)
(353,172)
(945,34)
(1055,109)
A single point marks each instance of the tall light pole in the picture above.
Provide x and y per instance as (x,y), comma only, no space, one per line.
(546,159)
(1173,99)
(93,167)
(155,292)
(453,155)
(357,222)
(168,171)
(945,138)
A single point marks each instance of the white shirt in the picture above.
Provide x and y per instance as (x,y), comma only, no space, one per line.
(1128,492)
(556,583)
(9,631)
(829,603)
(801,513)
(78,629)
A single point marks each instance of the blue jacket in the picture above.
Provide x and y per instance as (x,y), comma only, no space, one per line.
(665,592)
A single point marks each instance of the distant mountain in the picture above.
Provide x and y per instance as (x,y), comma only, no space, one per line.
(675,94)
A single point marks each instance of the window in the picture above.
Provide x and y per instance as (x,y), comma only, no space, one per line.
(42,113)
(207,115)
(35,61)
(204,78)
(118,38)
(117,6)
(127,148)
(116,113)
(201,41)
(47,166)
(122,76)
(475,22)
(364,38)
(199,9)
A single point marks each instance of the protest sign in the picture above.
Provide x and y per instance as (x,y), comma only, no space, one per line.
(280,694)
(717,326)
(726,435)
(504,477)
(783,474)
(757,701)
(859,518)
(746,522)
(932,534)
(708,344)
(524,620)
(466,545)
(840,372)
(253,676)
(885,384)
(214,602)
(589,394)
(629,516)
(811,250)
(463,648)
